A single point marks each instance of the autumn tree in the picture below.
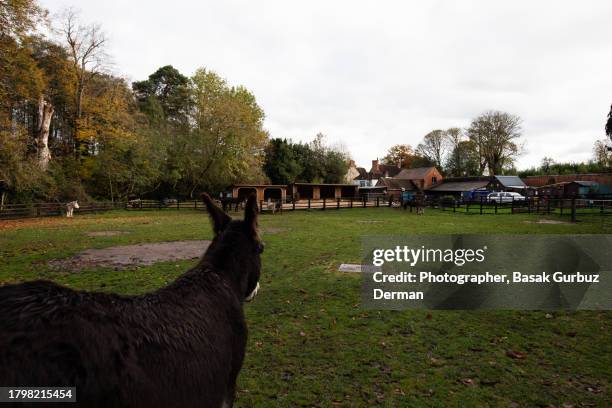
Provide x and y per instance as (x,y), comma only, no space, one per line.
(86,49)
(227,142)
(19,17)
(400,154)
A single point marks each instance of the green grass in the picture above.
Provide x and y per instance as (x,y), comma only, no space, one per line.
(311,343)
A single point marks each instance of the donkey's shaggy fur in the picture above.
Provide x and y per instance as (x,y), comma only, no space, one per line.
(181,346)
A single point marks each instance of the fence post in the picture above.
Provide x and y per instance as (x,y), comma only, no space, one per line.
(561,207)
(512,206)
(309,203)
(178,205)
(352,203)
(378,201)
(260,206)
(481,205)
(573,210)
(324,203)
(364,202)
(293,204)
(454,205)
(338,206)
(495,204)
(548,206)
(529,205)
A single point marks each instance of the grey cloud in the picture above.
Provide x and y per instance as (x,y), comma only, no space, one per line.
(373,74)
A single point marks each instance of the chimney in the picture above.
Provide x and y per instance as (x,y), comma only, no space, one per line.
(375,166)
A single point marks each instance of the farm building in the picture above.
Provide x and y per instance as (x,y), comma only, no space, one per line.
(369,179)
(262,191)
(604,179)
(352,173)
(318,191)
(371,192)
(508,183)
(422,177)
(460,186)
(578,189)
(301,191)
(472,187)
(395,186)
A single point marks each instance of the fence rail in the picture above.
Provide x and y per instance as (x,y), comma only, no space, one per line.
(564,207)
(570,207)
(13,211)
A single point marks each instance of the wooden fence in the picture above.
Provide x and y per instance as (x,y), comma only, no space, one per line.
(565,207)
(573,208)
(12,211)
(325,204)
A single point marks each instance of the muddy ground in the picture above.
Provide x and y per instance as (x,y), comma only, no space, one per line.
(120,257)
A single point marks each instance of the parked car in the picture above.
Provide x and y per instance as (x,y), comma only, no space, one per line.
(504,197)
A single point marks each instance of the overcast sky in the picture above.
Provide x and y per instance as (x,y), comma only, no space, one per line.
(377,73)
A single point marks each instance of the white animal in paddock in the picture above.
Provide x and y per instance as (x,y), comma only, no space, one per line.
(70,208)
(271,205)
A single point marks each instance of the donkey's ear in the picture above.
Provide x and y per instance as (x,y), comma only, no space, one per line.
(250,214)
(219,218)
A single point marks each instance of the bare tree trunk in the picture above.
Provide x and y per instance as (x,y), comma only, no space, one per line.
(110,183)
(45,113)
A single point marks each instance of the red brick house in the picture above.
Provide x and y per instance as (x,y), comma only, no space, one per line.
(423,177)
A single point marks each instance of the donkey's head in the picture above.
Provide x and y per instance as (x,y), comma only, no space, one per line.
(236,247)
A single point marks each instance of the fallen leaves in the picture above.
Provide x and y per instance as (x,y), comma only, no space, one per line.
(519,355)
(467,381)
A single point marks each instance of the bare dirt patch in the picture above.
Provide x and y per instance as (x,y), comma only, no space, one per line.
(120,257)
(105,233)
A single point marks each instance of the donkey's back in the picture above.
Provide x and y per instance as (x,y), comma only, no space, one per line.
(119,351)
(180,346)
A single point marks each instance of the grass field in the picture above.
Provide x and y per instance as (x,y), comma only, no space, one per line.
(311,344)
